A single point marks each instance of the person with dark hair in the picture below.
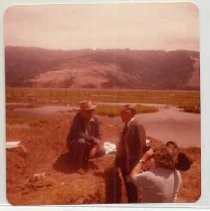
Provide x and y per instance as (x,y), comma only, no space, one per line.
(182,161)
(130,148)
(83,139)
(162,182)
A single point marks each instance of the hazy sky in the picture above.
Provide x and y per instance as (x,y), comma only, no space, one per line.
(166,26)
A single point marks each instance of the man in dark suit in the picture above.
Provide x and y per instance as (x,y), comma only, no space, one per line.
(130,148)
(83,139)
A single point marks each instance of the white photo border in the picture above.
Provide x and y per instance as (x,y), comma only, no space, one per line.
(204,22)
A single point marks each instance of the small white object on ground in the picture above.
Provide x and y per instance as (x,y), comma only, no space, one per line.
(12,144)
(109,147)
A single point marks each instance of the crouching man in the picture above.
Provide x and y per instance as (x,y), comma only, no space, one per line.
(83,139)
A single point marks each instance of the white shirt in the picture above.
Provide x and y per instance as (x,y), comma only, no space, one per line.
(158,184)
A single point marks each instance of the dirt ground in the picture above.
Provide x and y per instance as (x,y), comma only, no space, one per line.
(41,174)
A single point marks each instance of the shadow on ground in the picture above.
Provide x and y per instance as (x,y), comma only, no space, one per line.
(65,164)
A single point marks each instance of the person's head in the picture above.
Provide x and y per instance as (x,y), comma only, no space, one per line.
(87,109)
(127,113)
(173,148)
(181,160)
(163,158)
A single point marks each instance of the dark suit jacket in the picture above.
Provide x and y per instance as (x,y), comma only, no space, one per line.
(79,127)
(131,147)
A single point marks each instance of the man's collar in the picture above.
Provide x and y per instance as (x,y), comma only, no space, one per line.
(131,120)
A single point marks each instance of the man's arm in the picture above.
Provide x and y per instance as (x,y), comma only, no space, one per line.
(136,140)
(142,137)
(95,137)
(97,128)
(118,154)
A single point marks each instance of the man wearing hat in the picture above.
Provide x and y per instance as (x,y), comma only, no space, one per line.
(83,139)
(130,149)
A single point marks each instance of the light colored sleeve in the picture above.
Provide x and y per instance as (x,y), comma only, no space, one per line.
(140,179)
(179,183)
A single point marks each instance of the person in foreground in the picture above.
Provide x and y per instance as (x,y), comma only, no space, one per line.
(182,161)
(162,182)
(130,148)
(83,139)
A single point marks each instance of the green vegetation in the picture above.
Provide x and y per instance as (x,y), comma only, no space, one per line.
(71,96)
(191,109)
(112,110)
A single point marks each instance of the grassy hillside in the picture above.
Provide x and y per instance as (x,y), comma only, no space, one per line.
(114,68)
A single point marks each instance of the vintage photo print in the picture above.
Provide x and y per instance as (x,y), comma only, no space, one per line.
(102,103)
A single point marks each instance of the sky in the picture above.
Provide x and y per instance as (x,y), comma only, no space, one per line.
(143,26)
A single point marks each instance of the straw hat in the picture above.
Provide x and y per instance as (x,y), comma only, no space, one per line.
(86,105)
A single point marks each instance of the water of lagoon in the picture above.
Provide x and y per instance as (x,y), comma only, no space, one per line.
(168,124)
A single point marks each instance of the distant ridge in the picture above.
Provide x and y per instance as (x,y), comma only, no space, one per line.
(111,68)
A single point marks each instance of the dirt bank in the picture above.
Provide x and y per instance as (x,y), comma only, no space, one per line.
(43,174)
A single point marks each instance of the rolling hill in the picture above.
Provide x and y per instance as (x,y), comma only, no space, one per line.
(113,68)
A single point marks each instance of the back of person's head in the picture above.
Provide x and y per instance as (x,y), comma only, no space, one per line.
(183,162)
(173,148)
(172,143)
(163,158)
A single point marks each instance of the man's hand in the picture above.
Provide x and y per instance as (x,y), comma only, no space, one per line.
(93,141)
(93,152)
(97,141)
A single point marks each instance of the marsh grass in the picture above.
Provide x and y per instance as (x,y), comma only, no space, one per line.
(114,110)
(190,109)
(72,96)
